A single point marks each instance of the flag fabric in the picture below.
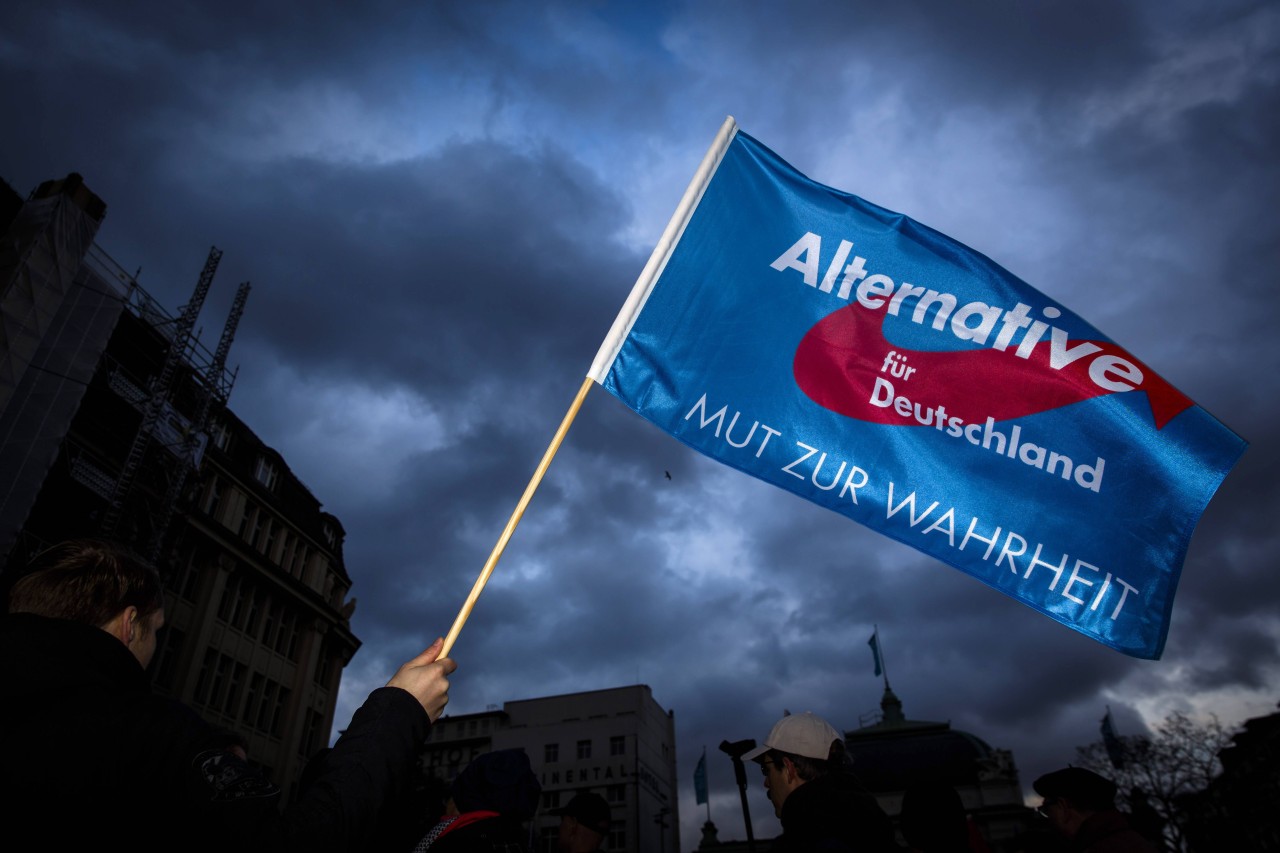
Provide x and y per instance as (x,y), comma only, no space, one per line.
(874,643)
(700,781)
(879,368)
(1112,742)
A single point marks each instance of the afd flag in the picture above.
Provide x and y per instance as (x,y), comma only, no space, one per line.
(879,368)
(700,780)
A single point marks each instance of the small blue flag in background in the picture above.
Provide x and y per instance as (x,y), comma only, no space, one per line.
(875,653)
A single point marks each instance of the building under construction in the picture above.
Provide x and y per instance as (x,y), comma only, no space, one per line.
(114,424)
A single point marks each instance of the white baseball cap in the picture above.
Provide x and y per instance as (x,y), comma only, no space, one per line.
(799,734)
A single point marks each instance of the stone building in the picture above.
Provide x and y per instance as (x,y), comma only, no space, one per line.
(892,754)
(114,424)
(617,742)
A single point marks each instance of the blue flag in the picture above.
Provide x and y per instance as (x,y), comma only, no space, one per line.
(875,653)
(876,367)
(700,781)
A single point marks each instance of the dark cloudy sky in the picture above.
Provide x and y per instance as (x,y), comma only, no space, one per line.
(442,205)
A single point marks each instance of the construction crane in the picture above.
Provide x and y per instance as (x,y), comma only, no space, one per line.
(215,392)
(160,392)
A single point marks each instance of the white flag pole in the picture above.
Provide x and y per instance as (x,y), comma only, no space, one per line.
(604,358)
(662,252)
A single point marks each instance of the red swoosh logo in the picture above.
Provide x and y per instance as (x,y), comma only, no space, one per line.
(839,359)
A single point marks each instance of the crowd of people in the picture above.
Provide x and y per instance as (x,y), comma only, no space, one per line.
(93,756)
(822,807)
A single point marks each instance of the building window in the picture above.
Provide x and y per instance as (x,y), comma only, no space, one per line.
(323,666)
(187,587)
(616,793)
(584,749)
(247,520)
(268,541)
(221,679)
(286,549)
(255,611)
(262,720)
(618,745)
(251,701)
(309,743)
(220,435)
(551,753)
(287,638)
(265,473)
(233,690)
(240,605)
(617,836)
(550,800)
(260,522)
(300,557)
(269,624)
(214,496)
(229,593)
(206,676)
(277,712)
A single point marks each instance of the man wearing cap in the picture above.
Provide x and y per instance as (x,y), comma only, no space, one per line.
(1081,806)
(584,824)
(820,803)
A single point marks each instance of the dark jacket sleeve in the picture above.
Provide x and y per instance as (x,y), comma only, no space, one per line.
(367,771)
(349,792)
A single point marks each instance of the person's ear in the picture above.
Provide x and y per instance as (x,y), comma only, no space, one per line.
(130,626)
(123,625)
(789,770)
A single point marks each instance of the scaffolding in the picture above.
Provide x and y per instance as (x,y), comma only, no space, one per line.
(61,300)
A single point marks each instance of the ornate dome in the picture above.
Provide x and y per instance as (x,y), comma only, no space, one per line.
(896,752)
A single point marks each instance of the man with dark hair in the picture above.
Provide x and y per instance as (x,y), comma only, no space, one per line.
(1081,806)
(96,583)
(91,755)
(821,805)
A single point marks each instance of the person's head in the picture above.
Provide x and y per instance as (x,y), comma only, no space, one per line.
(97,583)
(799,749)
(501,781)
(584,823)
(1072,795)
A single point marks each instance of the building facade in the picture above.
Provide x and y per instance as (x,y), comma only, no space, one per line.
(895,753)
(114,424)
(618,743)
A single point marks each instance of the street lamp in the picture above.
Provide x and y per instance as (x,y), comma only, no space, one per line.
(735,751)
(660,820)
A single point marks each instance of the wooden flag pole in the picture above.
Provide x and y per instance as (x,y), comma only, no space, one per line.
(478,587)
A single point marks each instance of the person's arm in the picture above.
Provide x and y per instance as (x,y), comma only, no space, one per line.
(426,678)
(371,765)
